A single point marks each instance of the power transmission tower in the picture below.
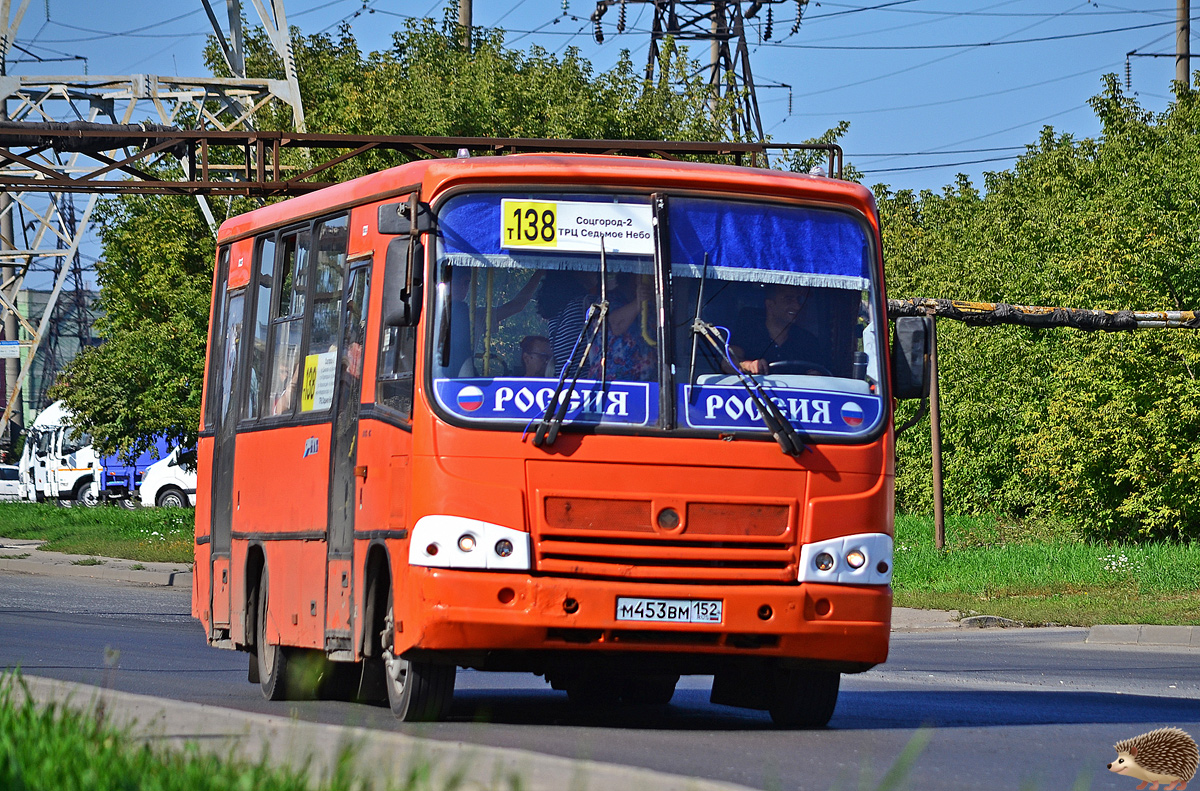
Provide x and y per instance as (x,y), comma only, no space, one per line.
(722,23)
(41,232)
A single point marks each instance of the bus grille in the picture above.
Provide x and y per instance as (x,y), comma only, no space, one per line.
(617,539)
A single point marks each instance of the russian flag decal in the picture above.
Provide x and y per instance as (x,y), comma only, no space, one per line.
(852,414)
(470,398)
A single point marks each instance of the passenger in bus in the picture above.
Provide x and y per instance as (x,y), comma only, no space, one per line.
(774,337)
(631,358)
(536,352)
(462,345)
(563,302)
(287,370)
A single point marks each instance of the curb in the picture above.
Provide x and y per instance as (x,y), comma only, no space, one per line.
(384,758)
(176,579)
(24,556)
(1119,634)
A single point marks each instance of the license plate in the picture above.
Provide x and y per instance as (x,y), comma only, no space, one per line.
(669,610)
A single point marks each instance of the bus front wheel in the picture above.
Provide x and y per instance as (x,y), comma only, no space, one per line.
(804,698)
(417,691)
(272,659)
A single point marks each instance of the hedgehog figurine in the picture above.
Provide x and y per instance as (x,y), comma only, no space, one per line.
(1167,756)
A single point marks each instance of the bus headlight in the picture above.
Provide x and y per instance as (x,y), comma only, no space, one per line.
(454,539)
(860,559)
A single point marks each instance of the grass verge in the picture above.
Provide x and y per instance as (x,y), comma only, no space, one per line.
(1039,573)
(46,748)
(147,535)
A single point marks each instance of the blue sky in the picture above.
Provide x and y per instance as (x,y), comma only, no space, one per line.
(930,87)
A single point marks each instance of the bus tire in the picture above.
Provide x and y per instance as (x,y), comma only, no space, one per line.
(170,497)
(649,690)
(417,691)
(272,659)
(129,503)
(592,690)
(804,698)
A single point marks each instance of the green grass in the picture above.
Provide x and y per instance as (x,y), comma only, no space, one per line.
(46,748)
(1041,572)
(147,535)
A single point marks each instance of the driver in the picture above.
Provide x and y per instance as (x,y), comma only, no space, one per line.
(775,337)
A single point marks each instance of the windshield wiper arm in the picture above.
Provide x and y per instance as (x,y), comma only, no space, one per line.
(556,410)
(696,335)
(777,423)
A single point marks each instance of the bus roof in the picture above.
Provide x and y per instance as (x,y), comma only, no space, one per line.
(434,176)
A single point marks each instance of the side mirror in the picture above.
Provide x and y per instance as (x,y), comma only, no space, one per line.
(402,282)
(910,356)
(397,218)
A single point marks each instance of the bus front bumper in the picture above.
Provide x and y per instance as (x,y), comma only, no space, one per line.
(459,610)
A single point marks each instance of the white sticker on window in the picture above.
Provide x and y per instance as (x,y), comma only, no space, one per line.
(576,225)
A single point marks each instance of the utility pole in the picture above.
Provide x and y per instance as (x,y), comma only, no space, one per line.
(1183,47)
(464,21)
(8,272)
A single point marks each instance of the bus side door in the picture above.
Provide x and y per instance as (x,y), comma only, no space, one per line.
(225,431)
(343,470)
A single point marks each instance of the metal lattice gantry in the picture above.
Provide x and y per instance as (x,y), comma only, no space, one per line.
(41,228)
(722,23)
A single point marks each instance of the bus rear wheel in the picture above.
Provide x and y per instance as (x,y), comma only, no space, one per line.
(417,691)
(804,698)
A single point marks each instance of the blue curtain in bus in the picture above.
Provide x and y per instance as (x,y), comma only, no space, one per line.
(769,243)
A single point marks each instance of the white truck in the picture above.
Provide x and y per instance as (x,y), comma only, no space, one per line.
(170,482)
(63,466)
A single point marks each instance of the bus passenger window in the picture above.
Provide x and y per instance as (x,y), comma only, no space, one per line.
(284,371)
(216,342)
(320,372)
(262,324)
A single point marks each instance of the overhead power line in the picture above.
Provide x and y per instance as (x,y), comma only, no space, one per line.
(967,45)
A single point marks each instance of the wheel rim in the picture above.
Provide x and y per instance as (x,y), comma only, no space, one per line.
(394,667)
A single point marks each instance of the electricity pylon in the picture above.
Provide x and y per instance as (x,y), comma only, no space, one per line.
(41,232)
(722,23)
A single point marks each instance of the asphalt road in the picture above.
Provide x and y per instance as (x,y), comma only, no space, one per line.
(1024,708)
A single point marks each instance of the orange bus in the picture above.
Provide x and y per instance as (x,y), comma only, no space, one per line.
(608,420)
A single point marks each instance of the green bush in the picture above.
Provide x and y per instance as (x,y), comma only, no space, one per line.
(1096,429)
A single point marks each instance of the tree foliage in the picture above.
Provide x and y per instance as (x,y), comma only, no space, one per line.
(1097,428)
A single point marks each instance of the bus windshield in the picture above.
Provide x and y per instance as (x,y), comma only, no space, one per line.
(778,296)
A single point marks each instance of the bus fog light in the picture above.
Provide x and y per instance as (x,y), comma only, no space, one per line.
(883,567)
(504,547)
(855,559)
(431,550)
(824,561)
(466,542)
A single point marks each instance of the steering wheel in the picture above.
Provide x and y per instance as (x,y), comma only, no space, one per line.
(797,367)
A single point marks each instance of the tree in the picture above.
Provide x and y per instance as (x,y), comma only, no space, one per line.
(1097,428)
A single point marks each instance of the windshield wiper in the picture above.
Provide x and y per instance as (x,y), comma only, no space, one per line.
(777,423)
(556,410)
(696,335)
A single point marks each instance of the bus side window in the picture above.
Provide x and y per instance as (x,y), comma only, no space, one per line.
(398,348)
(325,306)
(397,351)
(264,254)
(288,322)
(216,341)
